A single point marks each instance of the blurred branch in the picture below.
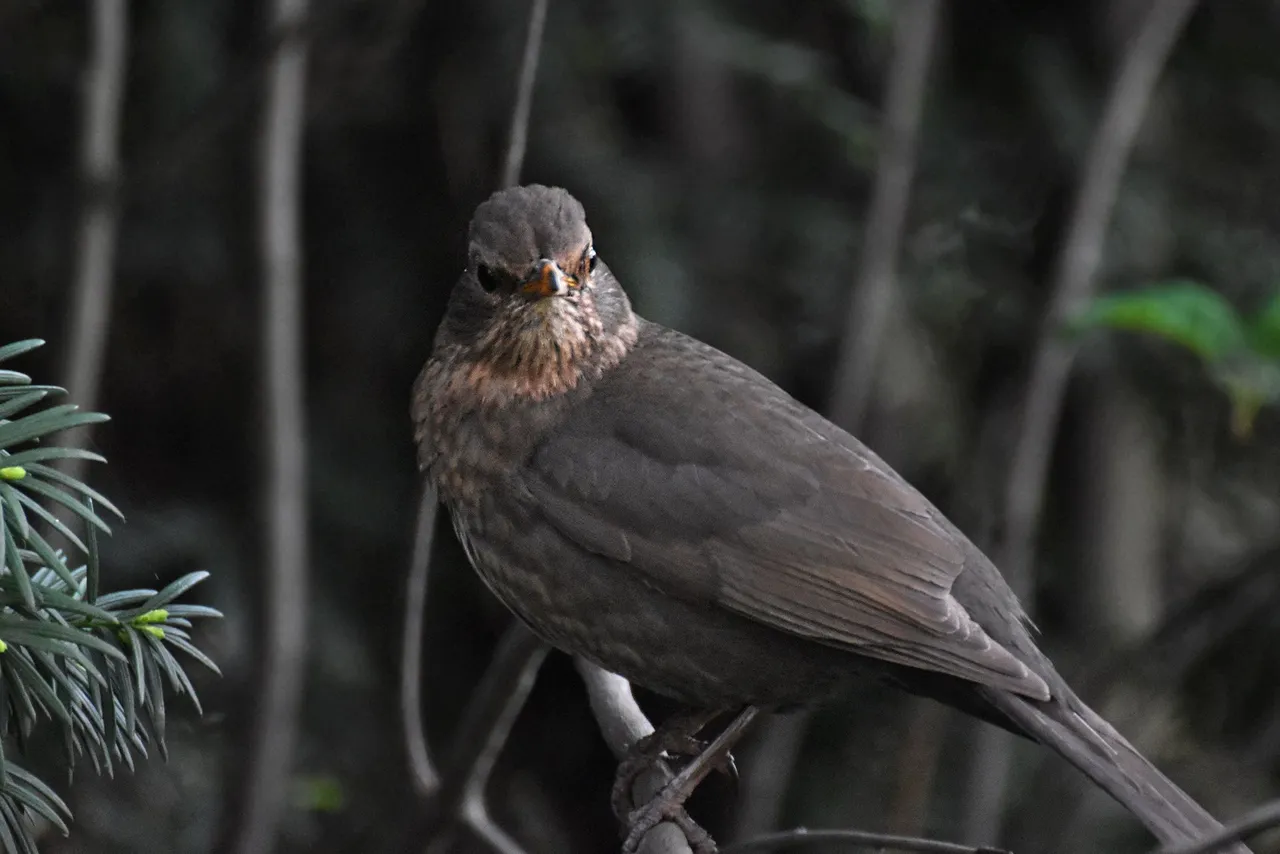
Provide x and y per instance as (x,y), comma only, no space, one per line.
(493,709)
(281,678)
(1072,285)
(519,138)
(486,723)
(767,773)
(99,215)
(914,27)
(415,614)
(1263,818)
(879,841)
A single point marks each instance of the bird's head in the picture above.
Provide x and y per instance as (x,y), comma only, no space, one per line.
(535,308)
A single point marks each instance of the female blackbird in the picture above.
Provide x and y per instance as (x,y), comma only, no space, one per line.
(645,501)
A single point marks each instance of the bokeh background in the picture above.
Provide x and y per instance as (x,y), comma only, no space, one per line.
(726,154)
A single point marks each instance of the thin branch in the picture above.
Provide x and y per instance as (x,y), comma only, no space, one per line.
(424,773)
(486,723)
(1072,286)
(915,25)
(518,140)
(281,679)
(879,841)
(99,216)
(1265,817)
(1074,278)
(492,711)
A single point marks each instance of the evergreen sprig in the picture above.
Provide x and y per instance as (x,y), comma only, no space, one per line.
(95,665)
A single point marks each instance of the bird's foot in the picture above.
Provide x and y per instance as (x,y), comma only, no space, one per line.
(674,740)
(658,810)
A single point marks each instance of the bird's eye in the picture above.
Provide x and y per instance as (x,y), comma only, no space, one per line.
(590,260)
(488,277)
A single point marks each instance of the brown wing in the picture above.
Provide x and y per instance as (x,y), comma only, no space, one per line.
(711,481)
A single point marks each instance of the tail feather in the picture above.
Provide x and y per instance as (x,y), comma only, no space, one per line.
(1088,742)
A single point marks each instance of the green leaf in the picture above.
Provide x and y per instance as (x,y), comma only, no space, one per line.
(17,348)
(21,401)
(38,685)
(66,499)
(174,640)
(17,516)
(32,792)
(1184,312)
(54,522)
(51,559)
(51,420)
(37,455)
(14,378)
(172,591)
(29,632)
(91,495)
(1264,330)
(22,828)
(19,571)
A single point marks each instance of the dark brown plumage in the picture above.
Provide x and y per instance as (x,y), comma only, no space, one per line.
(642,499)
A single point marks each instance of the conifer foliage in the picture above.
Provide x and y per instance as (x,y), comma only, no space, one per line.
(95,665)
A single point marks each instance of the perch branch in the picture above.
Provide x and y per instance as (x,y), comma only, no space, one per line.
(518,140)
(281,678)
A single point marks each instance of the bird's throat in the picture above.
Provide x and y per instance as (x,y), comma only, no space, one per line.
(545,349)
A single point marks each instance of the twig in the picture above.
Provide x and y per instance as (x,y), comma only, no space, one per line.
(1252,823)
(518,140)
(415,607)
(275,727)
(915,24)
(486,723)
(1073,284)
(99,216)
(879,841)
(496,704)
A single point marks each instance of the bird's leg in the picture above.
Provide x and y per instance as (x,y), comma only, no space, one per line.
(668,804)
(674,737)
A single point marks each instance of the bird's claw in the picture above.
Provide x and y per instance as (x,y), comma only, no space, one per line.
(664,808)
(659,745)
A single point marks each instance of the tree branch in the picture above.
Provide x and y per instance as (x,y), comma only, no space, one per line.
(99,216)
(424,773)
(1072,286)
(492,711)
(1263,818)
(519,137)
(914,27)
(879,841)
(281,679)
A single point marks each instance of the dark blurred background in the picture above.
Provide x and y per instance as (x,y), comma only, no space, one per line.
(726,154)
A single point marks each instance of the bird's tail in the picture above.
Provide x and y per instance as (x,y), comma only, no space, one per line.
(1088,742)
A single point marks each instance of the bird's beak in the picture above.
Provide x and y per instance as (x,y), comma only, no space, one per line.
(548,280)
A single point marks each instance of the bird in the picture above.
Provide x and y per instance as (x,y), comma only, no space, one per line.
(647,502)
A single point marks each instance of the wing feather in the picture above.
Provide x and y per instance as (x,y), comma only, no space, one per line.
(765,508)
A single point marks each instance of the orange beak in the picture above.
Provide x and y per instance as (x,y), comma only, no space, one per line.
(548,280)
